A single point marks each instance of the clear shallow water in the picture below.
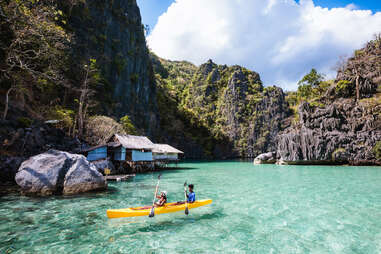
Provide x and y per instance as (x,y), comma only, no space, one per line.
(256,209)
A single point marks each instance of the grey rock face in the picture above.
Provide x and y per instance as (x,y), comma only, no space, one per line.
(26,142)
(9,167)
(207,67)
(272,111)
(113,34)
(56,172)
(82,177)
(342,132)
(234,98)
(102,164)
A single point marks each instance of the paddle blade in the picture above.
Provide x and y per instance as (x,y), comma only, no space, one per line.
(186,211)
(152,213)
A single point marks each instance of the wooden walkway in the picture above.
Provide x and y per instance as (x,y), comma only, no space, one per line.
(118,178)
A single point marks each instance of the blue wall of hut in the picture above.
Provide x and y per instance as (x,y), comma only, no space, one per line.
(120,154)
(97,154)
(141,156)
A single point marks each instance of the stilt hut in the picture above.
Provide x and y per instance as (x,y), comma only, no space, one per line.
(163,152)
(131,148)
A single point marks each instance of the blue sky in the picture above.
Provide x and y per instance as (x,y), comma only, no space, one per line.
(278,39)
(152,9)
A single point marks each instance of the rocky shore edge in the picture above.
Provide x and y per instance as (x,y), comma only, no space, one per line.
(272,158)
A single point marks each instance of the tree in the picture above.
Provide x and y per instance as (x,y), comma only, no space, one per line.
(7,102)
(128,126)
(377,150)
(33,47)
(91,79)
(308,83)
(313,79)
(99,129)
(363,69)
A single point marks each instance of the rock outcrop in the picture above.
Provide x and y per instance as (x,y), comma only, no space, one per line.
(343,132)
(362,70)
(56,172)
(265,158)
(344,126)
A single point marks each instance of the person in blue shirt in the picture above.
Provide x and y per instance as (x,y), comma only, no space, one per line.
(191,195)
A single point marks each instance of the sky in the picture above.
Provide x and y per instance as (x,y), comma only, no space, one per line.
(280,39)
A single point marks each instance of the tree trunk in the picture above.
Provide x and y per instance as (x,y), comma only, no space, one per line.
(80,113)
(357,88)
(7,103)
(82,100)
(74,125)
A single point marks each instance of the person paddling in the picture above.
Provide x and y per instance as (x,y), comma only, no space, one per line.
(191,195)
(162,199)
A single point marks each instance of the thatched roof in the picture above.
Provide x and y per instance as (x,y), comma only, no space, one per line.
(89,149)
(163,148)
(134,142)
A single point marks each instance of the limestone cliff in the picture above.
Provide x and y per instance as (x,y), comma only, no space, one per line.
(342,132)
(345,126)
(241,118)
(47,84)
(112,33)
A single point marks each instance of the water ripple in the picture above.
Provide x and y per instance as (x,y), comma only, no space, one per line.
(256,209)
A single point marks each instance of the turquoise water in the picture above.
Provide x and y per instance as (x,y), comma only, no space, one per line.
(256,209)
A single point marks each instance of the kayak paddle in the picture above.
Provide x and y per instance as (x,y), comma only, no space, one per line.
(152,213)
(186,199)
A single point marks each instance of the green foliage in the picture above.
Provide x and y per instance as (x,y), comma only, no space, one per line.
(128,126)
(377,150)
(312,79)
(359,52)
(310,86)
(337,152)
(292,98)
(198,105)
(65,117)
(344,88)
(134,77)
(46,86)
(96,76)
(34,55)
(24,122)
(120,63)
(305,91)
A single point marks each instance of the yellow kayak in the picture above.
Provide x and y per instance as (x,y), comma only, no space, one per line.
(144,211)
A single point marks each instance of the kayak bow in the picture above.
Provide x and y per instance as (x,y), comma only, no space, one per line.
(144,211)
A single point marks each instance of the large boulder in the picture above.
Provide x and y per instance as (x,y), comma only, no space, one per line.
(56,172)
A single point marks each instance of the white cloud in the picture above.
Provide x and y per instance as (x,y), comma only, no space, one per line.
(280,39)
